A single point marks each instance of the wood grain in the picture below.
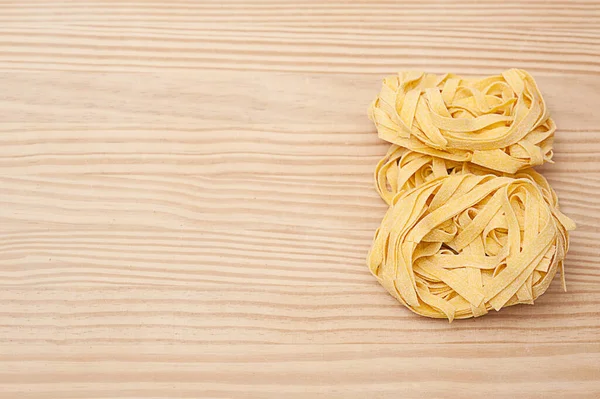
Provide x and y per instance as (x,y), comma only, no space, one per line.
(186,200)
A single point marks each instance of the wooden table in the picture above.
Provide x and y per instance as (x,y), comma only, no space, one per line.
(187,200)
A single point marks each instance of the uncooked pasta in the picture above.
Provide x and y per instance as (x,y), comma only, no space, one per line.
(499,122)
(401,170)
(471,226)
(461,245)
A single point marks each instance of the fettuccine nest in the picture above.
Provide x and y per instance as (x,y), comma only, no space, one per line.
(460,245)
(499,122)
(401,170)
(471,226)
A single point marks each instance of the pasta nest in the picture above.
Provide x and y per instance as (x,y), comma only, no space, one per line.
(498,122)
(401,170)
(460,245)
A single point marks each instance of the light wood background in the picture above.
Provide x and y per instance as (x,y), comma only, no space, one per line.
(186,200)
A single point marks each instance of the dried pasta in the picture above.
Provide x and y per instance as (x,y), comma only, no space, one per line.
(401,170)
(460,245)
(498,122)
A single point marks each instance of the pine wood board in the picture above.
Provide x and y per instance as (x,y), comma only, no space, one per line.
(187,200)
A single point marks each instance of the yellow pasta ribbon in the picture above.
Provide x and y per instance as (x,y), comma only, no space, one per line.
(461,244)
(497,122)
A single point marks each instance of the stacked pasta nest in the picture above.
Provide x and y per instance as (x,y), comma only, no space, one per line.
(470,226)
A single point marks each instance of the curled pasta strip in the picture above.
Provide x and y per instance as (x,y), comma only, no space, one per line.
(498,122)
(460,245)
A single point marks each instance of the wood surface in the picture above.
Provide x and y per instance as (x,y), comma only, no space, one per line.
(186,200)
